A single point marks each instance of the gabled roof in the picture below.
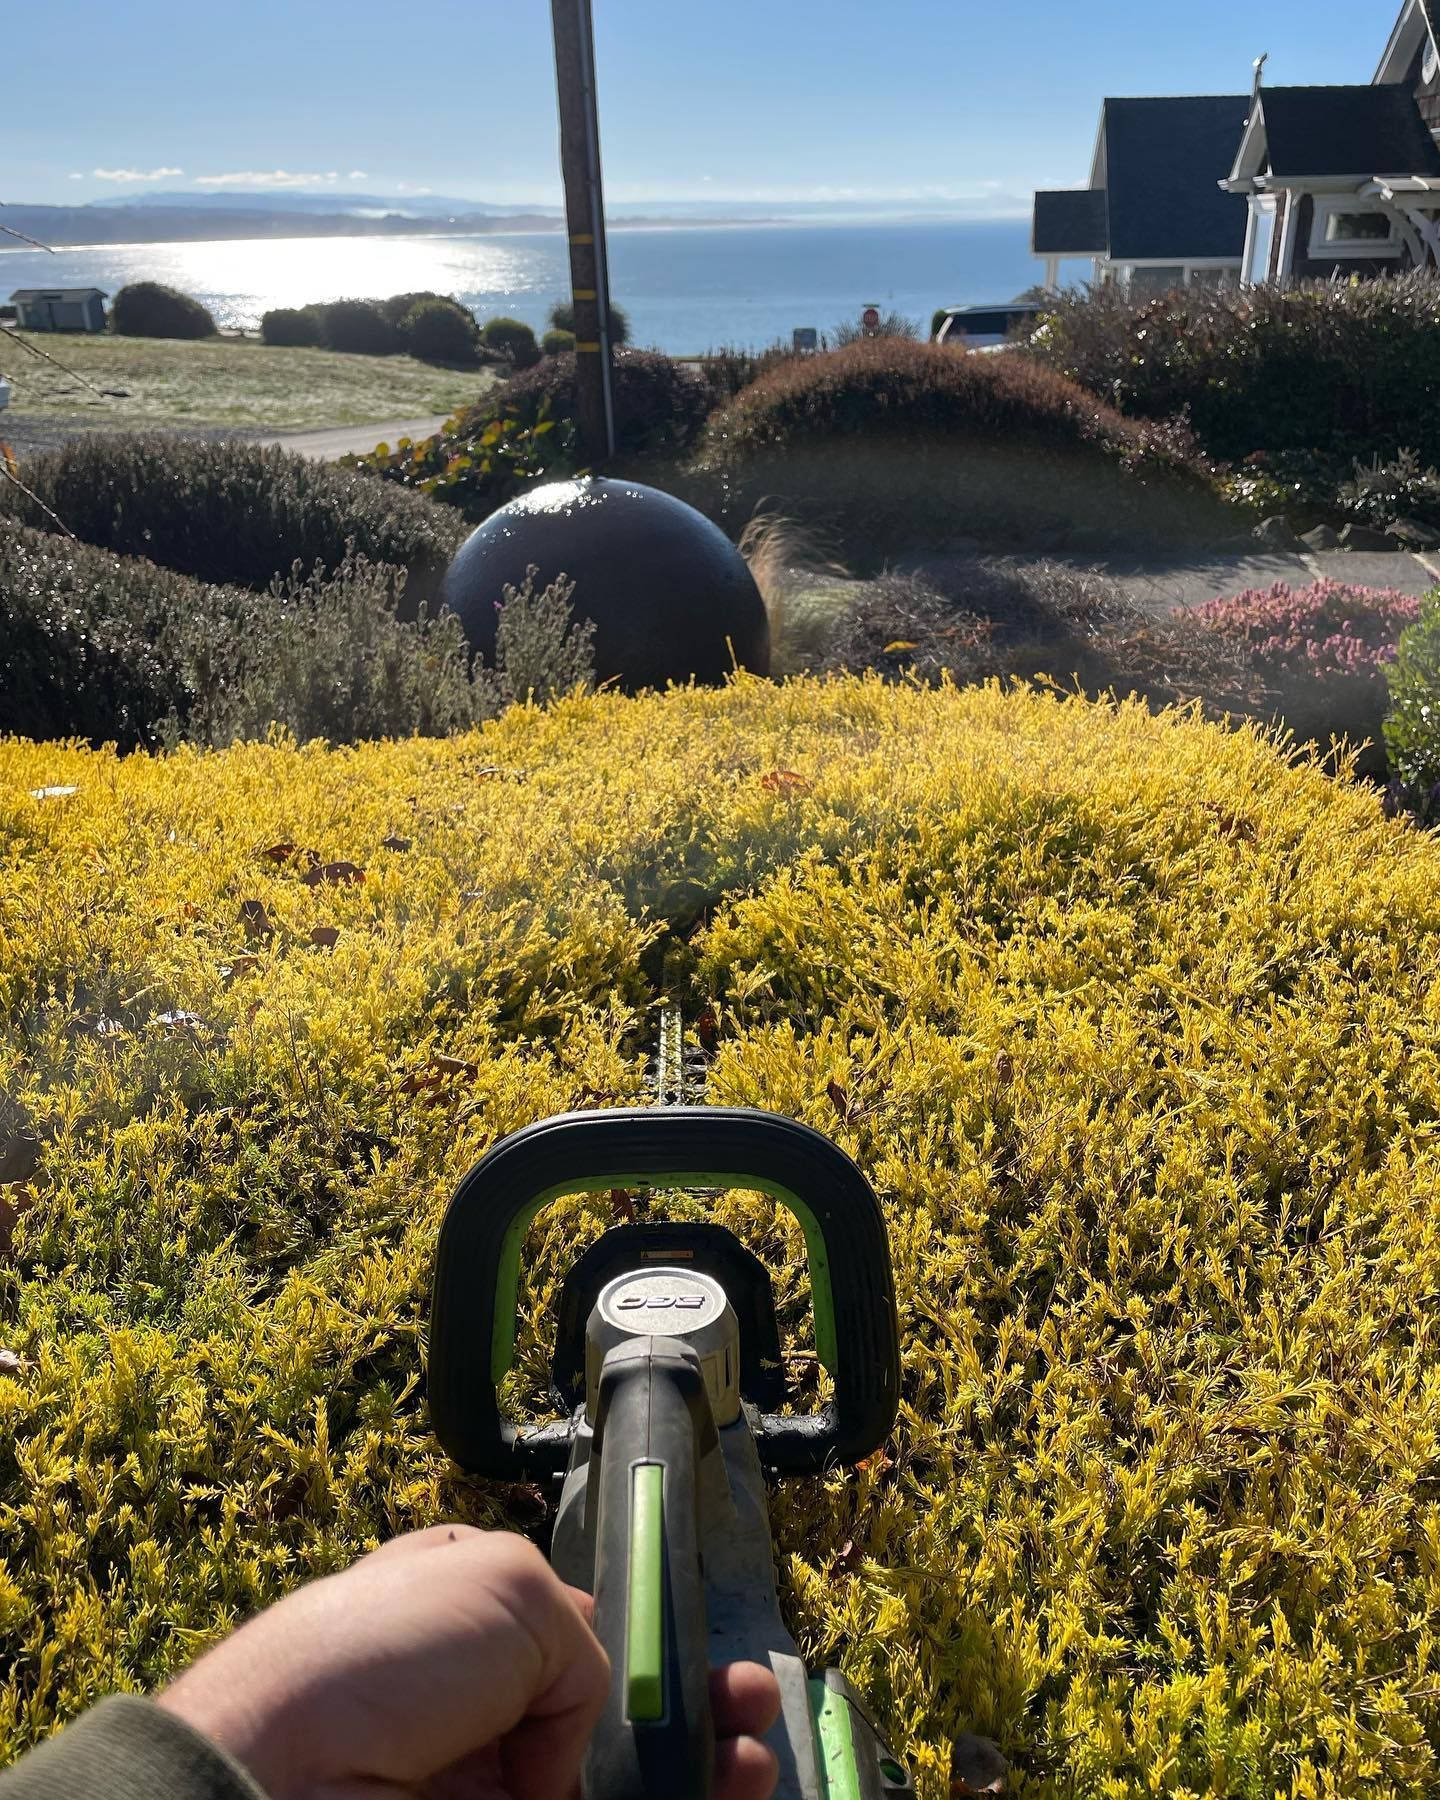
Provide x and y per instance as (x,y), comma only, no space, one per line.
(1164,159)
(1323,131)
(56,293)
(1070,222)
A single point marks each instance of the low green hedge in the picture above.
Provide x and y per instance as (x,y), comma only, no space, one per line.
(232,512)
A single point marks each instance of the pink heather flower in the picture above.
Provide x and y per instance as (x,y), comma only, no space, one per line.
(1327,629)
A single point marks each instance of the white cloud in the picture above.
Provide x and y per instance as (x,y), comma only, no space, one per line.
(357,175)
(132,174)
(75,175)
(265,178)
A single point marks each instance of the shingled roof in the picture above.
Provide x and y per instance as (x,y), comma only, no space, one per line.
(1070,222)
(1164,159)
(1374,130)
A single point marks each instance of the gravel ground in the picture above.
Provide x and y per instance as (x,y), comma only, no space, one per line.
(27,433)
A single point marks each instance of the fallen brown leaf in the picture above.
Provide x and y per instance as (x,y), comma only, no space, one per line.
(976,1766)
(324,937)
(255,919)
(333,874)
(847,1559)
(13,1201)
(620,1199)
(278,853)
(19,1156)
(786,781)
(434,1074)
(394,843)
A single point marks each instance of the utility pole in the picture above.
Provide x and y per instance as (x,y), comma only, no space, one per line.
(585,222)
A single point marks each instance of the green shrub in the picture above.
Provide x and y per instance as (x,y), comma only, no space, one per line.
(357,326)
(476,464)
(334,659)
(660,404)
(232,512)
(1339,369)
(1379,493)
(297,326)
(396,306)
(562,318)
(150,309)
(729,369)
(110,648)
(1412,730)
(114,649)
(557,343)
(512,339)
(440,331)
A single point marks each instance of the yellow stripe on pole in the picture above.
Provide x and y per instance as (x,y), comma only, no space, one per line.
(594,349)
(582,237)
(586,294)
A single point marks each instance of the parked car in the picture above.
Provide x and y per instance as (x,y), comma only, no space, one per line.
(4,393)
(987,327)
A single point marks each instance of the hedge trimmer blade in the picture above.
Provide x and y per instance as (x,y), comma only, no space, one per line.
(676,1072)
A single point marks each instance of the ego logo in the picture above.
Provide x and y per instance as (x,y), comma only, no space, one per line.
(659,1302)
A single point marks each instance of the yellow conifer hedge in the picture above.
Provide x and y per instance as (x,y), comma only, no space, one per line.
(1132,1023)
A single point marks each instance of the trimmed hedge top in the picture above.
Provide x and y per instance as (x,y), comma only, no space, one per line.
(232,511)
(1132,1024)
(898,386)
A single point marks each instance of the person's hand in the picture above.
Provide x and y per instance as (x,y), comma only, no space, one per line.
(452,1664)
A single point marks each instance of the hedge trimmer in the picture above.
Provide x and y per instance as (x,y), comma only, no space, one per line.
(668,1369)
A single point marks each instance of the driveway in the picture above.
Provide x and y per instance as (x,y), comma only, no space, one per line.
(358,440)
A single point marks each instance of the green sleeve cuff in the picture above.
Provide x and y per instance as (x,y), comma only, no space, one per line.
(128,1749)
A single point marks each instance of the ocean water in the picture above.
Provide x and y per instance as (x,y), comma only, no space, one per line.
(686,289)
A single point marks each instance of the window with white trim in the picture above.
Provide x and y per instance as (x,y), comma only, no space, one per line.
(1346,227)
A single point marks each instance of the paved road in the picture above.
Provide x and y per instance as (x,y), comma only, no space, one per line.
(1161,583)
(344,440)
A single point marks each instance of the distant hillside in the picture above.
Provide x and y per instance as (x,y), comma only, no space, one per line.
(193,221)
(419,206)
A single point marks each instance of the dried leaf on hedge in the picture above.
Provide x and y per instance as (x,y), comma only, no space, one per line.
(437,1073)
(324,937)
(976,1766)
(786,781)
(19,1157)
(335,874)
(255,919)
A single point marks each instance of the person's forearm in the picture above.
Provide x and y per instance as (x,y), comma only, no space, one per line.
(127,1749)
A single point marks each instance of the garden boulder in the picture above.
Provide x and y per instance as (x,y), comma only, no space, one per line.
(670,596)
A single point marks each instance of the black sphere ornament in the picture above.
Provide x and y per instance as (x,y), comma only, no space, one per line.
(670,596)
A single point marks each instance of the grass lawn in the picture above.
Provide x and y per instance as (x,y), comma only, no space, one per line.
(229,381)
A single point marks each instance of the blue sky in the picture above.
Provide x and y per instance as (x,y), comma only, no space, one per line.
(966,105)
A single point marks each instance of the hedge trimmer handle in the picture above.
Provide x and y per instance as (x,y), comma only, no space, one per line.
(472,1321)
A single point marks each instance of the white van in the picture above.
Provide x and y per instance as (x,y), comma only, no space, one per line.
(987,327)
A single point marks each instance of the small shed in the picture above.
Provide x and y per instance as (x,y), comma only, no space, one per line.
(60,309)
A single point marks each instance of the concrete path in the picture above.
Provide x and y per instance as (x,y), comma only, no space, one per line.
(359,440)
(1160,584)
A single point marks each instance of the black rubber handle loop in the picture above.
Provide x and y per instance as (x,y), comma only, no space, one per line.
(655,1739)
(472,1318)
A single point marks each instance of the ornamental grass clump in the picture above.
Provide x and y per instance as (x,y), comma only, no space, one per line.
(1130,1020)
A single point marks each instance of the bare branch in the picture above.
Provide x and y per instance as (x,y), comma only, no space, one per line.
(10,231)
(7,469)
